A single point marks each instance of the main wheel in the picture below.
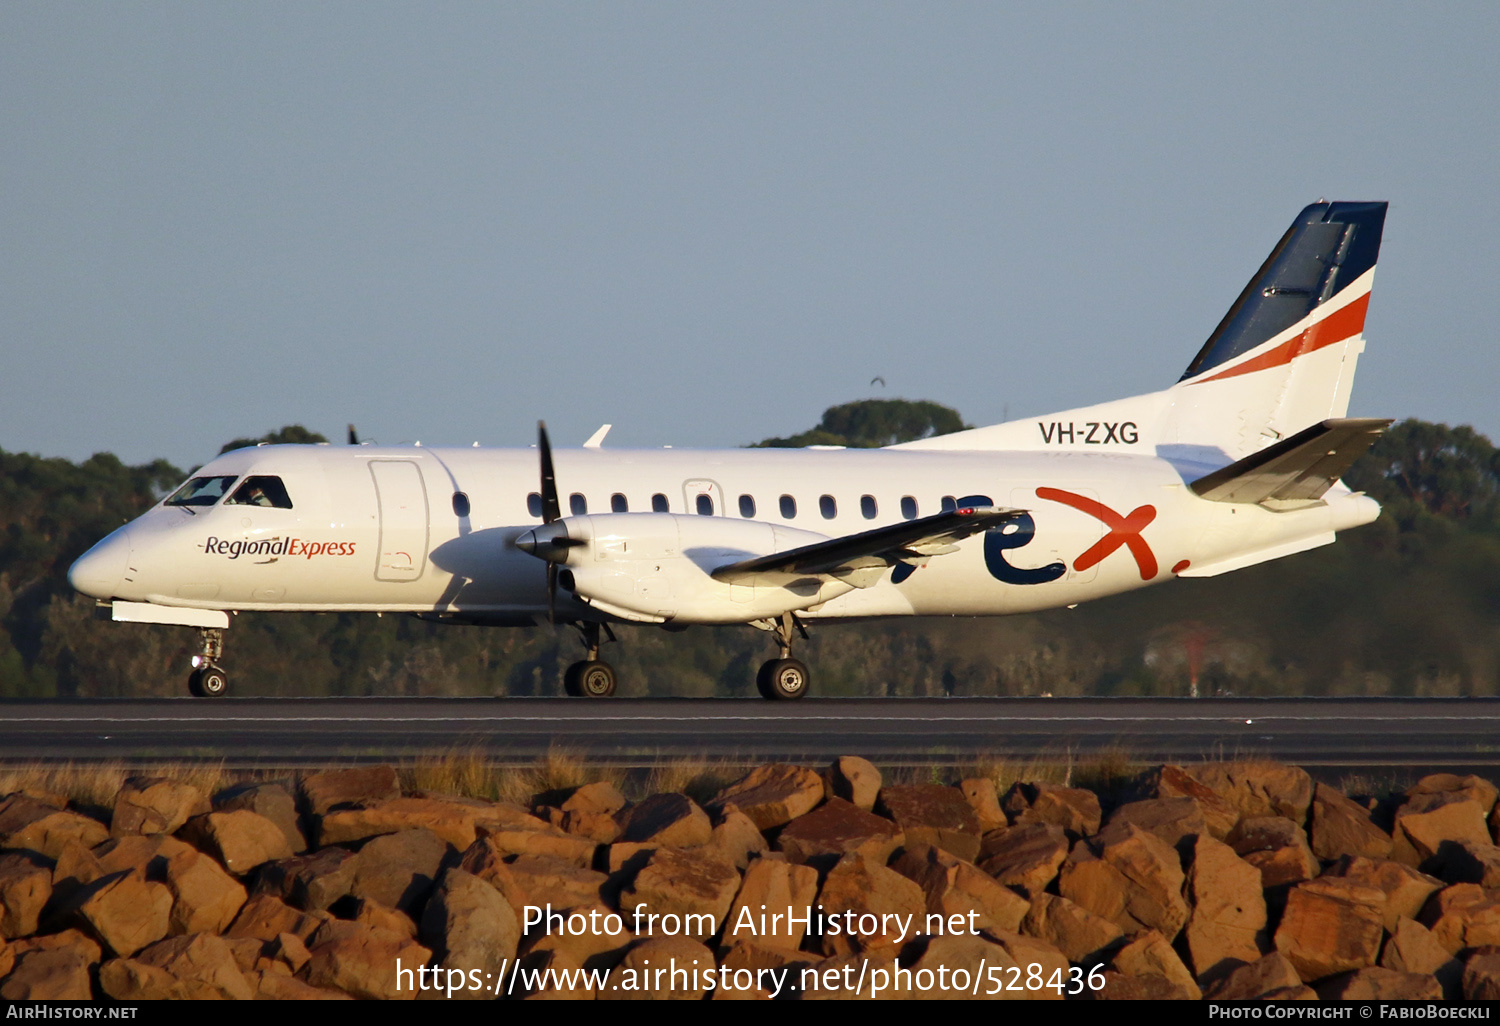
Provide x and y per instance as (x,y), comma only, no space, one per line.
(763,678)
(785,679)
(596,679)
(212,682)
(571,686)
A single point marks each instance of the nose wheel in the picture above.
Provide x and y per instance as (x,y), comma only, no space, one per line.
(208,680)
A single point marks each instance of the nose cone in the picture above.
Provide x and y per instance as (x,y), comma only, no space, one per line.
(100,570)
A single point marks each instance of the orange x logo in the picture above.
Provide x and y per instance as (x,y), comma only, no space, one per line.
(1124,530)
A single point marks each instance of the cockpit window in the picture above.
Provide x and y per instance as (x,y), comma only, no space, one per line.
(201,491)
(261,491)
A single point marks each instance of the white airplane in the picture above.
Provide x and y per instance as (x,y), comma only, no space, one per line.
(1235,464)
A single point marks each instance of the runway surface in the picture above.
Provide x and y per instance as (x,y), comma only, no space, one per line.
(1311,732)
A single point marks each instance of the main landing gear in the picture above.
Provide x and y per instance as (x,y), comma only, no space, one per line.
(784,678)
(591,677)
(207,680)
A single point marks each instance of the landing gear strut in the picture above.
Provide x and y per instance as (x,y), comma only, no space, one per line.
(784,678)
(207,680)
(591,677)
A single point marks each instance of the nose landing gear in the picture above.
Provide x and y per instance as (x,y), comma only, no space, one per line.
(207,680)
(785,678)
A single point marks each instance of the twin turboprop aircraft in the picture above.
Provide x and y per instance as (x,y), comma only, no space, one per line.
(1235,464)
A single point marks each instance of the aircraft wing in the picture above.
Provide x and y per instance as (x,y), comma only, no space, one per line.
(1296,471)
(912,541)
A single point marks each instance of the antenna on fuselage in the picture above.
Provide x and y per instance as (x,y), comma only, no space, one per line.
(353,438)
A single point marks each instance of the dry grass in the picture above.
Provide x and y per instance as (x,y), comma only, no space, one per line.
(97,783)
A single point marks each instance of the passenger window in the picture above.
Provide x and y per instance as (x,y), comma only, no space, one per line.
(949,504)
(828,507)
(534,504)
(705,505)
(788,508)
(618,503)
(261,491)
(578,504)
(908,507)
(201,491)
(747,507)
(659,503)
(867,507)
(460,504)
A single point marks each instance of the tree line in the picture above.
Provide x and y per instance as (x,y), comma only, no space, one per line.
(1409,605)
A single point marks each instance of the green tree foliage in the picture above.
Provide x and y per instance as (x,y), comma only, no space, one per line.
(1407,605)
(292,434)
(872,423)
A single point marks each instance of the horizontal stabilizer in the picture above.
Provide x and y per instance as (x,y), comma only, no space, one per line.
(1296,471)
(883,547)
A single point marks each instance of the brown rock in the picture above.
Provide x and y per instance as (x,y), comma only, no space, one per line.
(273,987)
(1283,867)
(1481,977)
(1228,921)
(933,814)
(470,927)
(1024,952)
(1173,820)
(1259,979)
(399,870)
(25,886)
(1340,827)
(1463,916)
(862,886)
(372,913)
(1406,890)
(965,954)
(72,940)
(535,879)
(773,795)
(554,844)
(127,912)
(1419,834)
(1476,788)
(1331,926)
(557,978)
(737,839)
(855,780)
(32,825)
(1150,954)
(1468,862)
(125,979)
(1146,987)
(1259,788)
(589,943)
(58,974)
(1075,931)
(273,801)
(839,978)
(600,796)
(1377,984)
(205,899)
(313,881)
(1153,876)
(1025,857)
(1072,808)
(825,835)
(982,797)
(144,856)
(598,827)
(76,868)
(324,791)
(667,820)
(290,950)
(1277,847)
(202,965)
(634,978)
(364,961)
(241,839)
(154,805)
(265,916)
(760,910)
(1411,948)
(456,822)
(690,890)
(1218,814)
(956,888)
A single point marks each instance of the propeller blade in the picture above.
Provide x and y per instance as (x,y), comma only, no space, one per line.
(552,594)
(551,509)
(353,438)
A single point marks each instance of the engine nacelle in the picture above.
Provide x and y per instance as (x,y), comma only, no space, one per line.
(655,567)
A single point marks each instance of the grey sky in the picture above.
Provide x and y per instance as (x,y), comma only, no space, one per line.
(705,222)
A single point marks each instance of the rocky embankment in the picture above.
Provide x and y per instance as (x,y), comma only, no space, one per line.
(1223,880)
